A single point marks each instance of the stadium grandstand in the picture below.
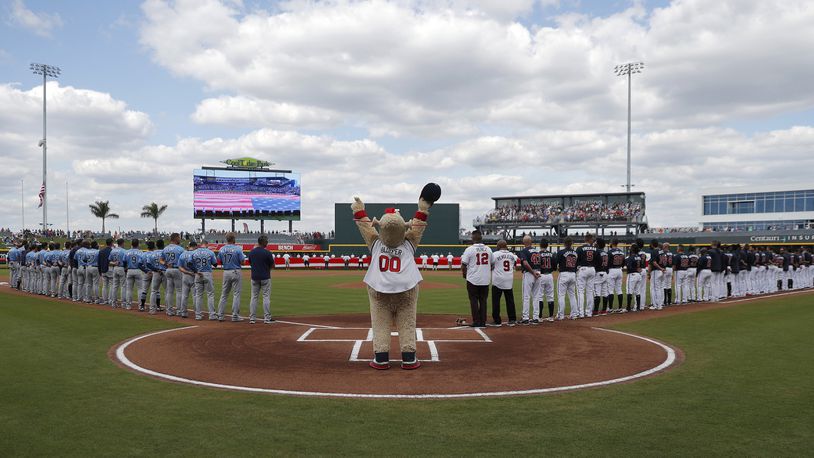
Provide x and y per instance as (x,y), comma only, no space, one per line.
(559,215)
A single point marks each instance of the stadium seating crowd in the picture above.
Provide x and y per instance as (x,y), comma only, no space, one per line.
(554,213)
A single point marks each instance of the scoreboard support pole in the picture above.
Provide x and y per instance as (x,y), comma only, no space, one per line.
(203,226)
(262,230)
(233,224)
(290,227)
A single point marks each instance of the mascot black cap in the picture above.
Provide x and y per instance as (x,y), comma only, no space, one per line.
(431,193)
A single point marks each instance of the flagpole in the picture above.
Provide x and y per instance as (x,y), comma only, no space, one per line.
(67,211)
(22,204)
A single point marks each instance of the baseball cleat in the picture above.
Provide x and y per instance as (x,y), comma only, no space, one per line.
(409,361)
(379,366)
(511,324)
(251,320)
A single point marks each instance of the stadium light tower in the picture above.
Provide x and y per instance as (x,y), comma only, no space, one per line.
(628,70)
(45,70)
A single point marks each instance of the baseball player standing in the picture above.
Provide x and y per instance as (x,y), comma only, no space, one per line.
(203,260)
(602,265)
(548,263)
(65,272)
(503,283)
(667,278)
(586,271)
(106,271)
(717,267)
(187,268)
(616,258)
(476,267)
(706,287)
(692,277)
(169,259)
(74,262)
(530,264)
(656,271)
(117,265)
(231,258)
(261,263)
(133,274)
(681,262)
(13,256)
(567,279)
(634,267)
(157,276)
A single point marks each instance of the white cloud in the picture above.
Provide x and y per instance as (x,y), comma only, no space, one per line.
(456,68)
(245,111)
(40,23)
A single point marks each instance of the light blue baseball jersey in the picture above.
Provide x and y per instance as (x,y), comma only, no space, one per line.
(80,257)
(94,257)
(132,258)
(185,261)
(170,255)
(116,257)
(231,257)
(41,257)
(31,258)
(204,259)
(156,266)
(148,261)
(13,255)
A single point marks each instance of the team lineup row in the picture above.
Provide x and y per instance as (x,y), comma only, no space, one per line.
(591,277)
(121,278)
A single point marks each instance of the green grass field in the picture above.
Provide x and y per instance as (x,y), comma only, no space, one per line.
(746,388)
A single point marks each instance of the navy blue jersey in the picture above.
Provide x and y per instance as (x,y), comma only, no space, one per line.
(657,258)
(668,259)
(716,260)
(633,264)
(602,261)
(531,256)
(705,262)
(807,258)
(567,260)
(681,261)
(547,262)
(586,256)
(693,260)
(617,258)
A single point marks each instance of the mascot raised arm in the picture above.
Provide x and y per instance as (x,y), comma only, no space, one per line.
(392,277)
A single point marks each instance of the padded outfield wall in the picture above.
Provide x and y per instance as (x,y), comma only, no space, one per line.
(441,234)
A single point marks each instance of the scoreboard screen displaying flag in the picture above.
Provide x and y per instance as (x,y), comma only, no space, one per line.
(246,194)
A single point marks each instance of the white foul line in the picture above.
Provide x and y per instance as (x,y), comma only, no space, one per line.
(668,361)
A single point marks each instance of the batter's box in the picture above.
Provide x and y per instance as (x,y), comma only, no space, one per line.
(426,339)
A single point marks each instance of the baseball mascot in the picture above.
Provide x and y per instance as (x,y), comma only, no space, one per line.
(392,278)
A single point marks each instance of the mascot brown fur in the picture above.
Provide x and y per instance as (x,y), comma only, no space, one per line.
(392,277)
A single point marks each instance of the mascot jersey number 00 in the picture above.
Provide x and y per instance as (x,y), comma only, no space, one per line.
(392,277)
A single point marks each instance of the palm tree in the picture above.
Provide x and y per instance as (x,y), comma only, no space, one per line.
(101,209)
(153,211)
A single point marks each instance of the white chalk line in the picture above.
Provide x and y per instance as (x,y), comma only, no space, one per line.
(669,360)
(357,343)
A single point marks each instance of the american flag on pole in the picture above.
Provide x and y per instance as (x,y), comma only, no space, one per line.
(41,194)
